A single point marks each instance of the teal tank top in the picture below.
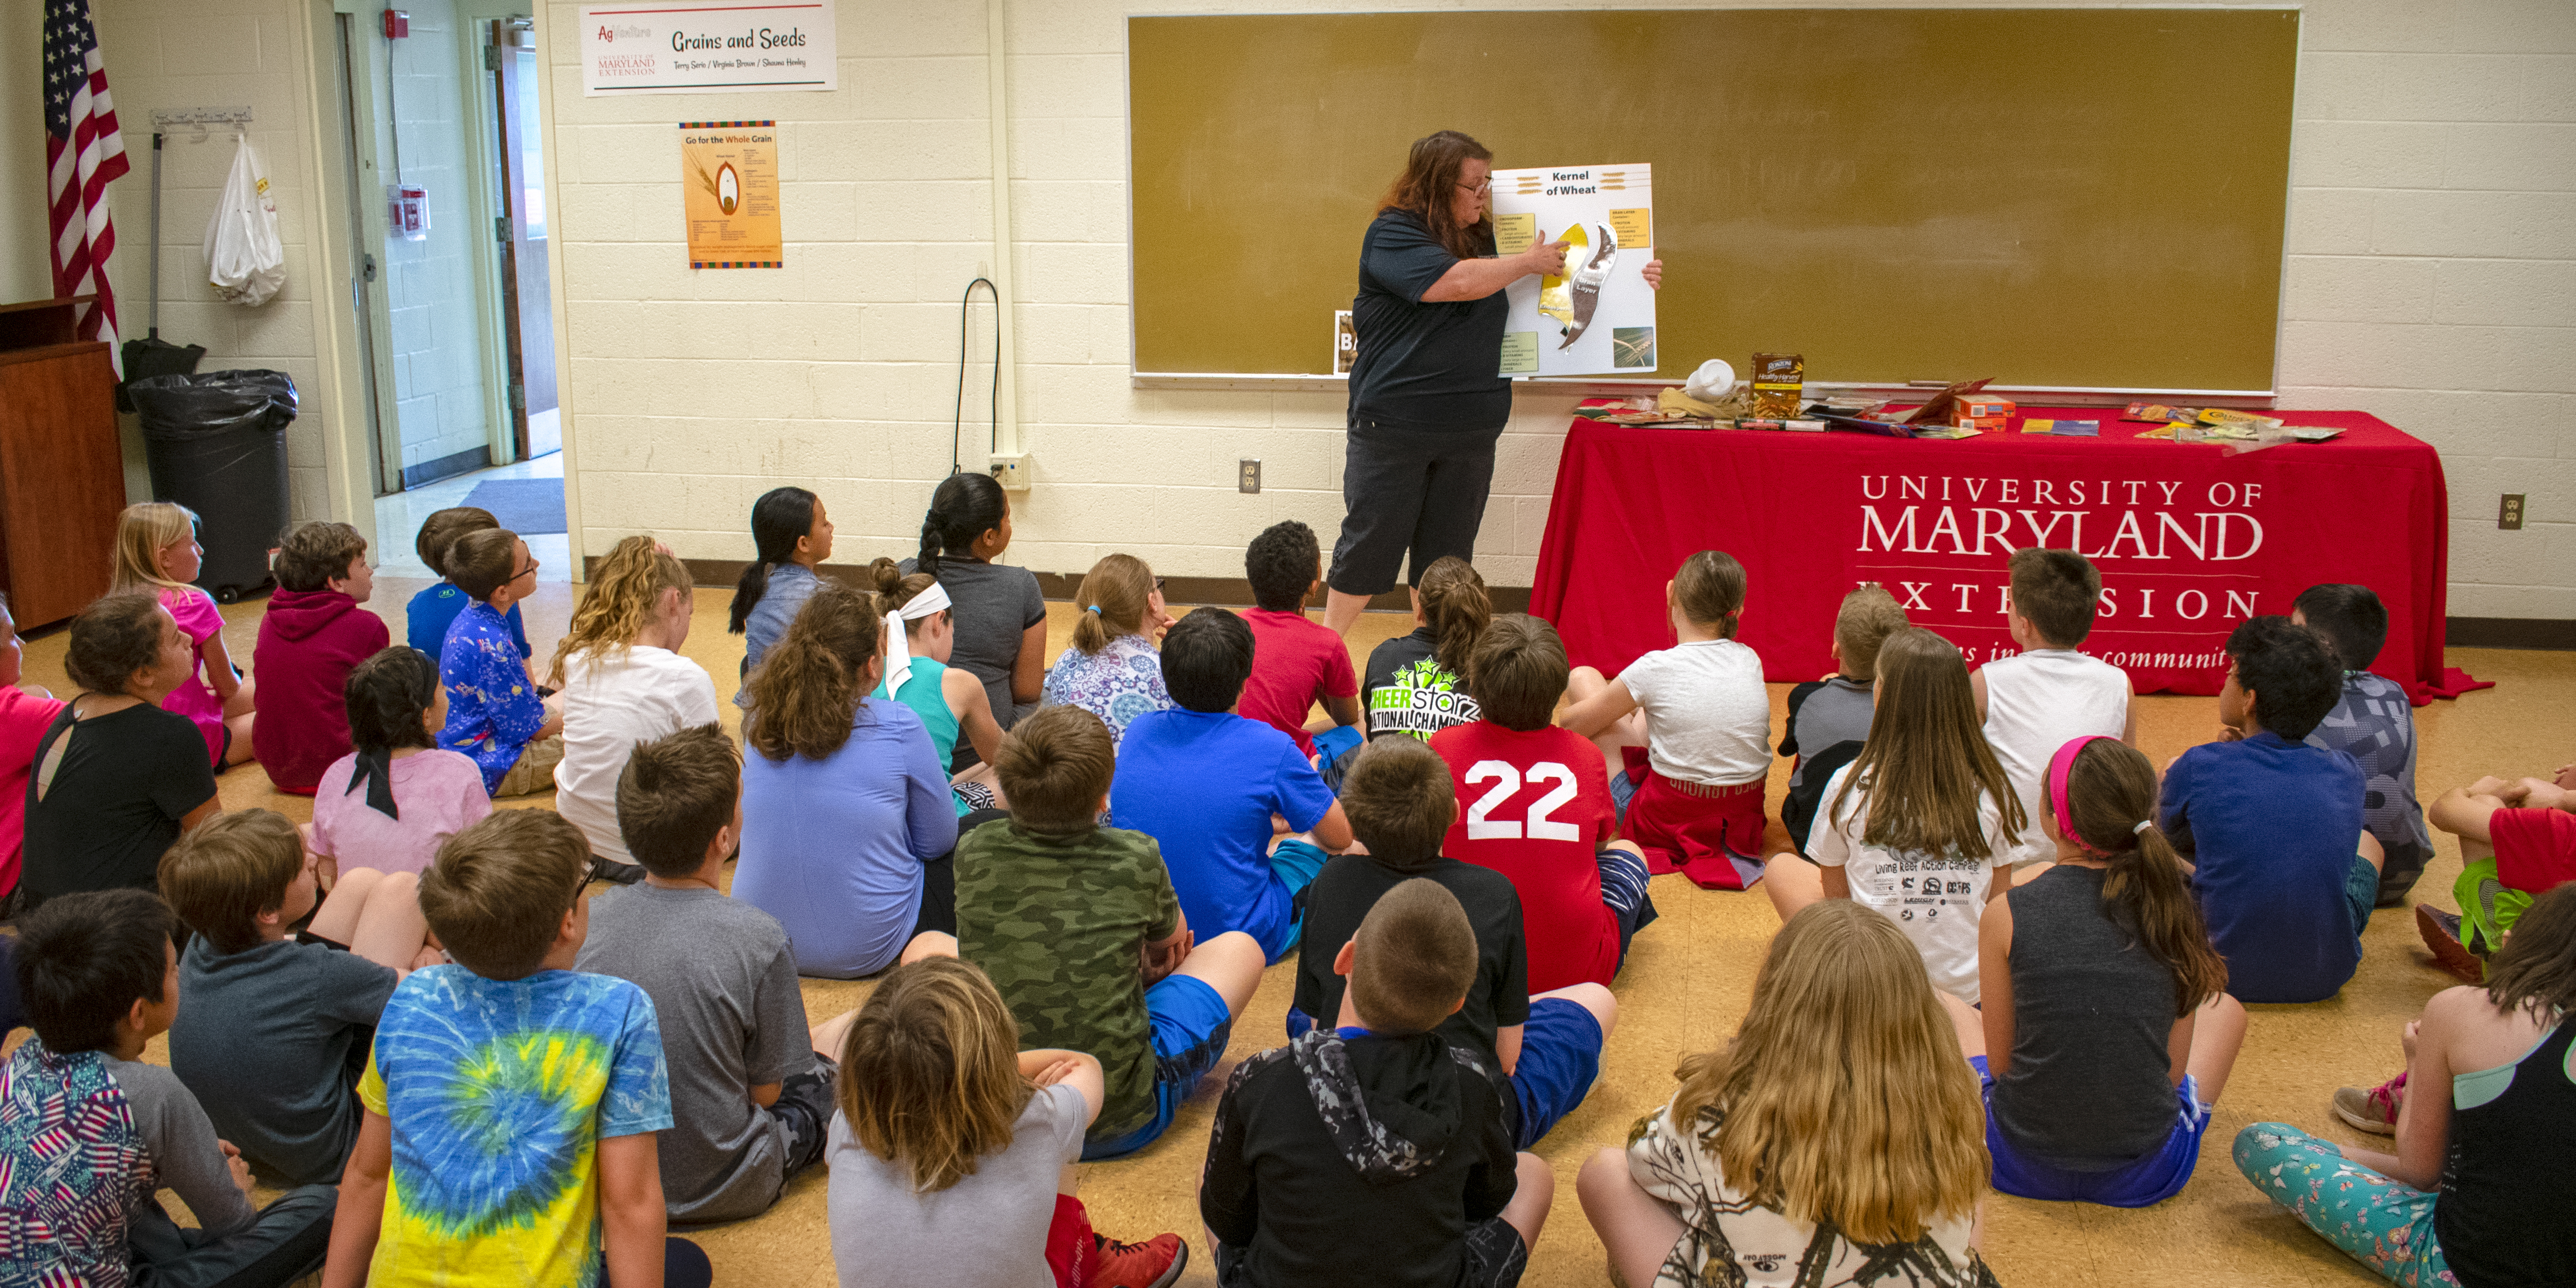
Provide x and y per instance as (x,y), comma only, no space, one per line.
(924,692)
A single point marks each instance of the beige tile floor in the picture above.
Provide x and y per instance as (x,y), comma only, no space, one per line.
(1685,987)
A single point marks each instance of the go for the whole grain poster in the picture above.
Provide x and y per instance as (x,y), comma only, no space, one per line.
(729,187)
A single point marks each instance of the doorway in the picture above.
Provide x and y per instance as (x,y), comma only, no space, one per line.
(518,189)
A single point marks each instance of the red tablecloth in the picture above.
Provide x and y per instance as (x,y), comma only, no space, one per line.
(2190,541)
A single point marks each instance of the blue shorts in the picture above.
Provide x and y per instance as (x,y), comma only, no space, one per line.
(1560,1058)
(2152,1179)
(1190,1028)
(1293,865)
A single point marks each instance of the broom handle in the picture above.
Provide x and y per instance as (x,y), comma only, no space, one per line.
(154,323)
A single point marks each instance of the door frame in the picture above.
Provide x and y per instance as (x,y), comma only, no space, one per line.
(483,129)
(370,224)
(339,394)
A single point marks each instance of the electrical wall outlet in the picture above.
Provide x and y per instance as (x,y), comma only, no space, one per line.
(2509,512)
(1012,472)
(1248,475)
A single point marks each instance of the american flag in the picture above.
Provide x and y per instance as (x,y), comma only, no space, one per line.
(82,152)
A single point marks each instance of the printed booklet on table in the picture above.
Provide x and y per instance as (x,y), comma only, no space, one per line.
(1598,316)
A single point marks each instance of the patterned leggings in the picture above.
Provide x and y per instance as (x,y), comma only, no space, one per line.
(2384,1224)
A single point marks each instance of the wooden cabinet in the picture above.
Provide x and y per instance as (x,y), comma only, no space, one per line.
(62,477)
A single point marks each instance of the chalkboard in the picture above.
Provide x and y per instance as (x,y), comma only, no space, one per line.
(2057,198)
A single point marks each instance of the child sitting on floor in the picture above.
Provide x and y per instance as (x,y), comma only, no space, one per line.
(2108,1033)
(921,635)
(1761,1172)
(2517,841)
(2478,1191)
(2033,702)
(2270,825)
(1111,669)
(1371,1150)
(998,610)
(278,1021)
(88,1132)
(1917,825)
(1829,718)
(1078,927)
(791,535)
(953,1151)
(312,634)
(494,715)
(1686,733)
(2373,722)
(429,614)
(1401,802)
(564,1145)
(157,554)
(750,1091)
(1205,782)
(623,680)
(24,717)
(1541,812)
(1417,684)
(1296,662)
(392,801)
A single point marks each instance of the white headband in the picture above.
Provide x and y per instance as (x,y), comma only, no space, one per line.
(899,659)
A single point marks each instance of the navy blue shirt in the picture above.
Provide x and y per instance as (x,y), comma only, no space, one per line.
(1423,366)
(1204,784)
(2272,827)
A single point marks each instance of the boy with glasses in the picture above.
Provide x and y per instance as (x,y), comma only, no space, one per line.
(494,713)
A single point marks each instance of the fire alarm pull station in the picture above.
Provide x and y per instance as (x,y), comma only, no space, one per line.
(407,212)
(397,23)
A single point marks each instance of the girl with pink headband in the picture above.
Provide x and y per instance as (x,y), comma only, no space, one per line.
(2108,1031)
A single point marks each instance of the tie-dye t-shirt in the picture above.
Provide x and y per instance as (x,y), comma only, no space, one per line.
(499,1094)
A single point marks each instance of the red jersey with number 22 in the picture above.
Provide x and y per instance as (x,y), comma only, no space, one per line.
(1535,806)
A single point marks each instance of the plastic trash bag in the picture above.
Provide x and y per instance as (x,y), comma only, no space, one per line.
(177,408)
(245,260)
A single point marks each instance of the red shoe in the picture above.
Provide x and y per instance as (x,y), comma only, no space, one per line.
(1155,1263)
(2441,932)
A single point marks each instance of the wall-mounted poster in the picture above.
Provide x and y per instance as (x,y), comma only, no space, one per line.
(706,47)
(1598,316)
(729,193)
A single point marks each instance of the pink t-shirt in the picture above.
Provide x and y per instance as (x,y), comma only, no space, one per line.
(438,794)
(200,620)
(1295,661)
(24,718)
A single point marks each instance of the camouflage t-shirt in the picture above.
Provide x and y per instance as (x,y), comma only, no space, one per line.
(1060,924)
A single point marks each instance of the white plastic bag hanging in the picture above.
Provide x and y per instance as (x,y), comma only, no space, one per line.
(245,260)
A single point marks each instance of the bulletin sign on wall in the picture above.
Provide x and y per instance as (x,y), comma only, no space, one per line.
(729,193)
(707,47)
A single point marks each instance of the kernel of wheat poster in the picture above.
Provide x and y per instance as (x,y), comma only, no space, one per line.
(729,193)
(1597,316)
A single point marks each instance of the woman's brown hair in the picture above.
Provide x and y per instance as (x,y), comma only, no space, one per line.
(1457,609)
(930,1072)
(114,637)
(2110,790)
(625,591)
(1843,1097)
(1113,601)
(1429,188)
(806,690)
(2536,968)
(1927,758)
(894,589)
(1709,589)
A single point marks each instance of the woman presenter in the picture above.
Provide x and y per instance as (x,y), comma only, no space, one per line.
(1427,397)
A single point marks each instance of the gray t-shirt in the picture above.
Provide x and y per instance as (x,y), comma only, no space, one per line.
(986,1231)
(1834,711)
(723,980)
(272,1041)
(994,605)
(174,1131)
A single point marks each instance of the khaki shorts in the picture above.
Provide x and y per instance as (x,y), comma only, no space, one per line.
(535,771)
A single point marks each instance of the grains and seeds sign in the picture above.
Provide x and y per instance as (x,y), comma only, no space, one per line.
(707,47)
(729,187)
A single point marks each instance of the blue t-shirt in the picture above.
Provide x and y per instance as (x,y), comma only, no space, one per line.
(2271,826)
(499,1092)
(1204,784)
(492,709)
(834,848)
(432,611)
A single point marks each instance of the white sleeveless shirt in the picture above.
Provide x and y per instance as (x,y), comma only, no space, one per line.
(2035,703)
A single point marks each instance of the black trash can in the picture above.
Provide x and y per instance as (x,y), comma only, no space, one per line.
(216,442)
